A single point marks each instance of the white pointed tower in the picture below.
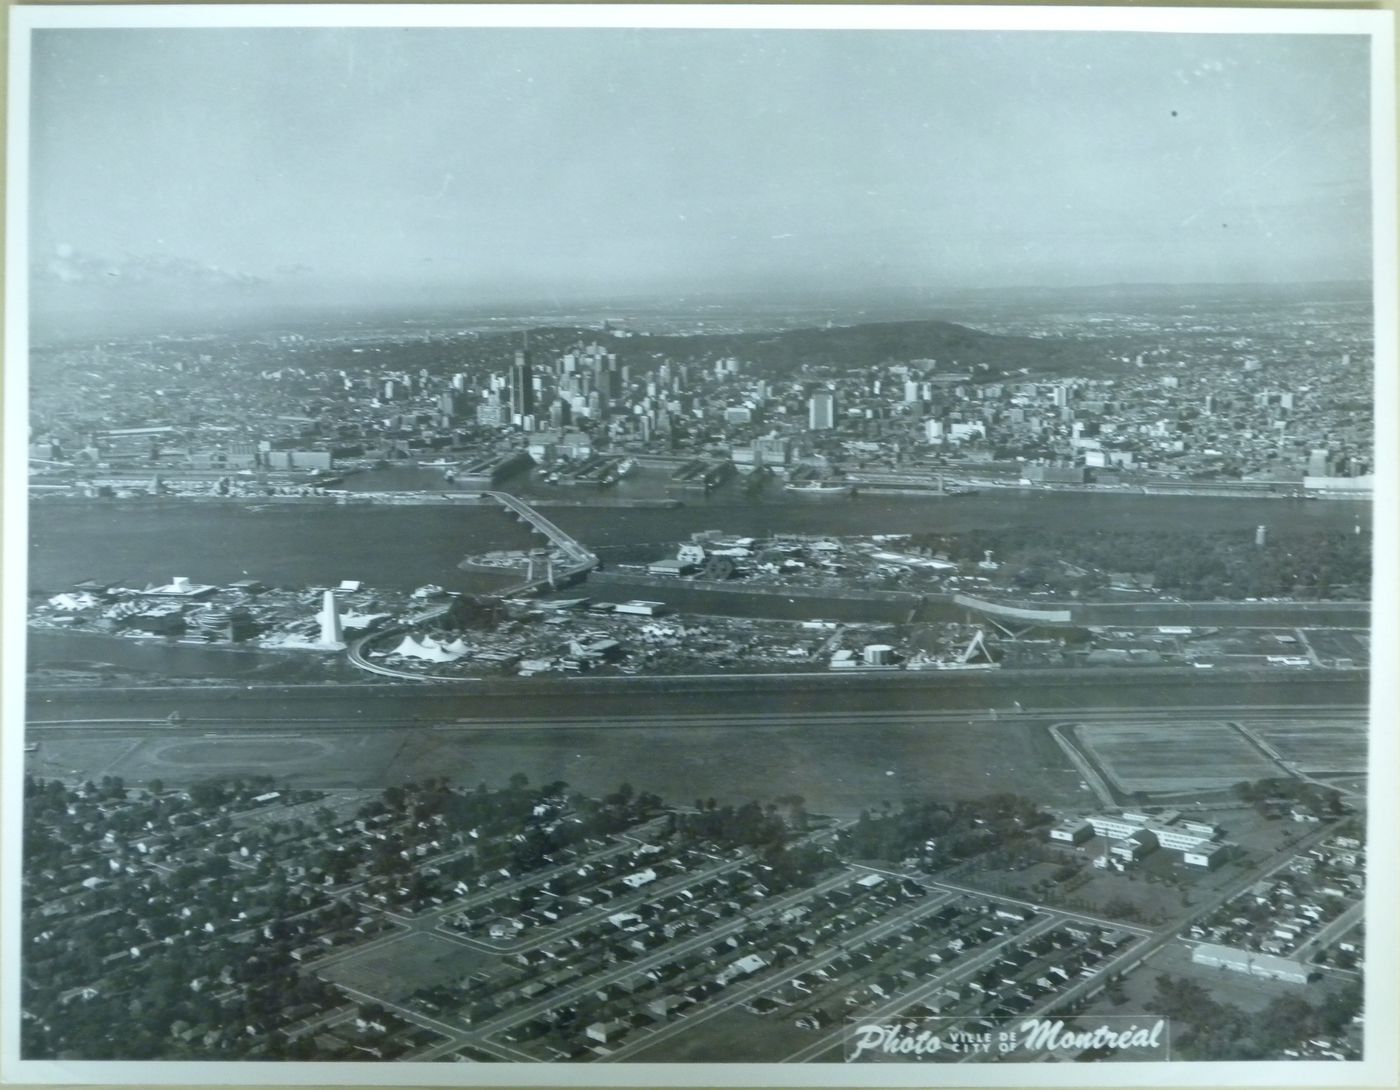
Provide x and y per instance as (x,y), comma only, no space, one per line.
(332,634)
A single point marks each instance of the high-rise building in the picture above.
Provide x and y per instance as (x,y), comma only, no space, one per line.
(332,635)
(522,385)
(821,411)
(491,413)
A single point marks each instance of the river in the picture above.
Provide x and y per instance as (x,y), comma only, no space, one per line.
(141,541)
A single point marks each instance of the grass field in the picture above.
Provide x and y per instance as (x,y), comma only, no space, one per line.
(88,758)
(733,1036)
(1165,757)
(1330,643)
(330,761)
(1322,745)
(837,768)
(395,971)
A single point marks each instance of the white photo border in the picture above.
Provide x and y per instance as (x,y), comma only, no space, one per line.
(1378,1068)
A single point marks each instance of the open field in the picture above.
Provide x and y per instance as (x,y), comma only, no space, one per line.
(1158,757)
(396,970)
(1340,643)
(733,1036)
(838,765)
(87,758)
(1321,745)
(346,760)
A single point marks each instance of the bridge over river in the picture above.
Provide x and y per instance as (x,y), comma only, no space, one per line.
(577,560)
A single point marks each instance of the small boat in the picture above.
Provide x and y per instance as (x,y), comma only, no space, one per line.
(440,463)
(821,488)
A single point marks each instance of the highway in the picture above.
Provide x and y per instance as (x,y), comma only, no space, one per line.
(373,704)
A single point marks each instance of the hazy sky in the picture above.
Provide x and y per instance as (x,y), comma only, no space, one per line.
(477,164)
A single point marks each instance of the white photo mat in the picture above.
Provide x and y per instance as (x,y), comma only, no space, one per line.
(1379,1066)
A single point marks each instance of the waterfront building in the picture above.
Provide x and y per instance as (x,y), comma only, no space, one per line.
(821,411)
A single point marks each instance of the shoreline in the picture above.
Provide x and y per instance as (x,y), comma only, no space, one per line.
(470,498)
(717,681)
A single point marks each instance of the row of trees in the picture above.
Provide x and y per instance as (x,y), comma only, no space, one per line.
(943,833)
(1188,563)
(1206,1029)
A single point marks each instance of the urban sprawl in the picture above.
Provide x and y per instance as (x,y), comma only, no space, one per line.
(1202,867)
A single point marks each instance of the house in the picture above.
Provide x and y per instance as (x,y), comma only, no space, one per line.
(640,878)
(604,1032)
(744,966)
(665,1006)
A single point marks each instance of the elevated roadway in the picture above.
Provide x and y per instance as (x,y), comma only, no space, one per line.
(578,560)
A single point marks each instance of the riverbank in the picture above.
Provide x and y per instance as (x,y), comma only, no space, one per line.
(404,547)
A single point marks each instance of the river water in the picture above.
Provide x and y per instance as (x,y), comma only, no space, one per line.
(839,767)
(401,547)
(140,541)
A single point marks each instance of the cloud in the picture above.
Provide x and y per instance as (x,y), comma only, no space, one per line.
(67,265)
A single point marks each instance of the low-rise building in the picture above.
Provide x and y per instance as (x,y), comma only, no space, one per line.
(1243,961)
(1072,831)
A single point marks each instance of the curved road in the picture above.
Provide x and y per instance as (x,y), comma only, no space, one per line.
(580,561)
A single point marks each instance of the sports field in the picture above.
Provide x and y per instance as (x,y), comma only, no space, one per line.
(1164,757)
(396,970)
(339,760)
(1320,745)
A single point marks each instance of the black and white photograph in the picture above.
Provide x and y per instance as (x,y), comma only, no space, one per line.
(651,545)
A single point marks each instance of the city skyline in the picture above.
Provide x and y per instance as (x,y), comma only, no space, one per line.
(253,168)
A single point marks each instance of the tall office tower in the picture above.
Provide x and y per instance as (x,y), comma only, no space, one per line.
(332,635)
(821,411)
(522,385)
